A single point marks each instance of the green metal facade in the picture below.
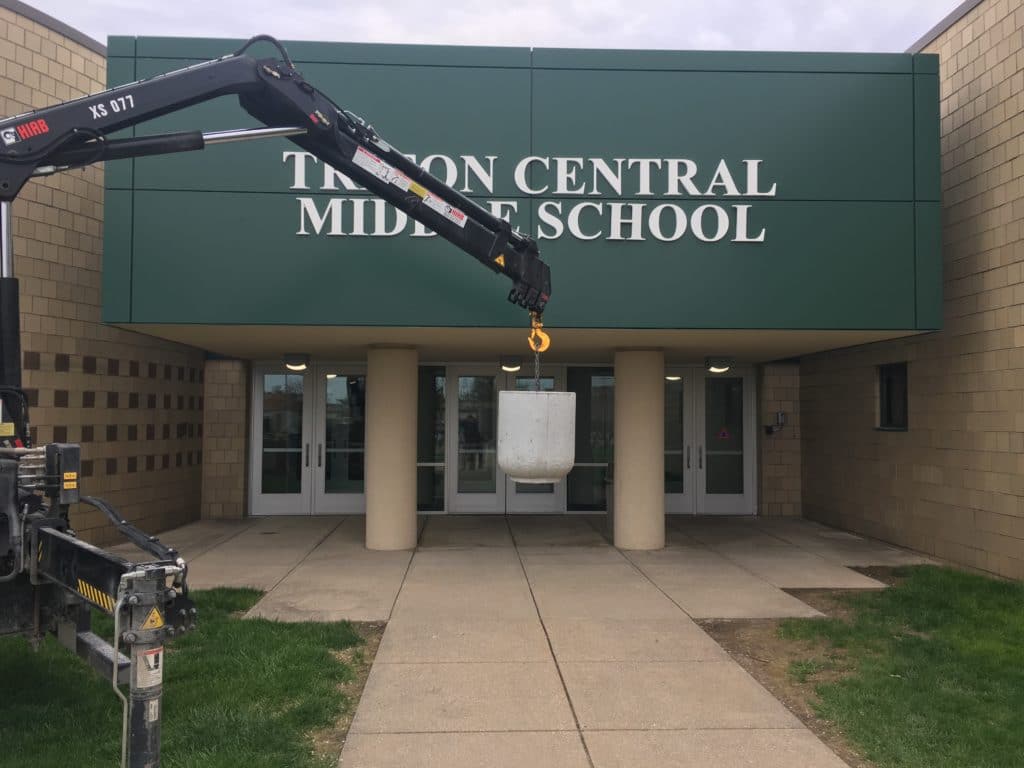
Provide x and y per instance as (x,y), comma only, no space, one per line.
(670,189)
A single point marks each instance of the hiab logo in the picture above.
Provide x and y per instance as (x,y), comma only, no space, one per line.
(33,128)
(24,131)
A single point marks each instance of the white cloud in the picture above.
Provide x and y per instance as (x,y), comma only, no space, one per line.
(839,25)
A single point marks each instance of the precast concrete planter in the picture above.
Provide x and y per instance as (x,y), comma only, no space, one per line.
(536,435)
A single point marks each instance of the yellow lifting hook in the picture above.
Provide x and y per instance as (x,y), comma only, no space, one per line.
(539,341)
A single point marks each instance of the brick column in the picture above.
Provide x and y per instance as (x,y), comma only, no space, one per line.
(225,439)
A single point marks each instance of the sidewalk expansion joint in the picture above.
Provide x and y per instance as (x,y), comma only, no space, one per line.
(305,557)
(551,648)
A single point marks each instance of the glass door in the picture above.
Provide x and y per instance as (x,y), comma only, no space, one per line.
(430,439)
(281,442)
(338,453)
(588,484)
(680,451)
(726,472)
(475,484)
(534,497)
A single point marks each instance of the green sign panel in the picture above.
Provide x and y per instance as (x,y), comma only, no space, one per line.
(666,190)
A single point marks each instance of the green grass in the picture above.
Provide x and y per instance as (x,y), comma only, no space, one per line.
(236,693)
(937,671)
(803,669)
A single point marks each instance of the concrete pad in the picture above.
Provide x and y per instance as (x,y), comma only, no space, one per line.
(432,640)
(465,600)
(712,527)
(582,575)
(677,538)
(261,555)
(475,563)
(778,748)
(464,750)
(418,698)
(190,540)
(554,530)
(332,589)
(792,568)
(677,639)
(839,546)
(671,695)
(448,531)
(597,592)
(570,556)
(754,602)
(708,586)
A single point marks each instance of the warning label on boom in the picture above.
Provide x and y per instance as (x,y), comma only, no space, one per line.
(154,620)
(149,670)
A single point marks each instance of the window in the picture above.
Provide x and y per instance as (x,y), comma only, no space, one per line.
(892,396)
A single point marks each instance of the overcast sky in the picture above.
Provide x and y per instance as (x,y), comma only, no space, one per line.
(796,25)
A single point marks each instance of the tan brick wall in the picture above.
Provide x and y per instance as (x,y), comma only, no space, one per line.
(953,485)
(133,402)
(779,453)
(225,444)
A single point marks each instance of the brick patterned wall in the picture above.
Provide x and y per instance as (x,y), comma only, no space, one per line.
(225,444)
(953,485)
(779,454)
(133,402)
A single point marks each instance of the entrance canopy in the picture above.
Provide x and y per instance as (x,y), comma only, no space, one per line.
(569,345)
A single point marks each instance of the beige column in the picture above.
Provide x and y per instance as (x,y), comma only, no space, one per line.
(639,476)
(391,448)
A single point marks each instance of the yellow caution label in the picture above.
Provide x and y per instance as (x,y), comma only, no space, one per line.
(70,485)
(417,189)
(154,621)
(500,261)
(6,429)
(95,596)
(70,475)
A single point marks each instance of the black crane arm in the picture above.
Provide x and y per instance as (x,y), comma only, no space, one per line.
(75,133)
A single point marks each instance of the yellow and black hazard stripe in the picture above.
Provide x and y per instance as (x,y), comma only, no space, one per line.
(96,596)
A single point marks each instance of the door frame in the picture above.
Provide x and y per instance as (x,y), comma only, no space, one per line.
(321,502)
(314,393)
(504,500)
(700,502)
(685,503)
(260,504)
(728,504)
(469,503)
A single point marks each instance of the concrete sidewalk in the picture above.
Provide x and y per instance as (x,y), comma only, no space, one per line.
(530,641)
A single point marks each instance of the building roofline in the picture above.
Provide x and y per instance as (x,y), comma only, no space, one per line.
(948,21)
(32,14)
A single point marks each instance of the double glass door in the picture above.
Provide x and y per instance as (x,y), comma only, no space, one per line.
(475,484)
(308,440)
(710,431)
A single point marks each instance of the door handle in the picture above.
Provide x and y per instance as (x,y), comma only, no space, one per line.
(700,457)
(687,457)
(307,454)
(319,454)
